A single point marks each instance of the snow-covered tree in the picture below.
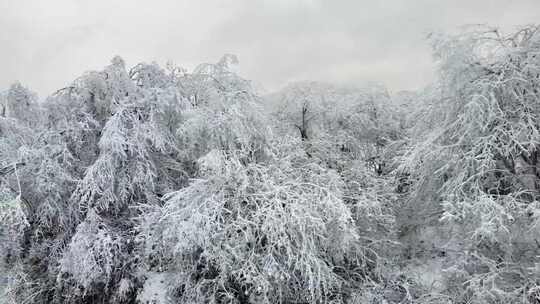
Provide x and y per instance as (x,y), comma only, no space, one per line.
(475,166)
(136,164)
(163,185)
(257,233)
(337,123)
(19,103)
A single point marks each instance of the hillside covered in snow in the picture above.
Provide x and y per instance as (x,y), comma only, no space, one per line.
(155,184)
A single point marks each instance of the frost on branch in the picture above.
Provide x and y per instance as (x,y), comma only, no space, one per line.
(261,232)
(337,123)
(93,258)
(163,185)
(13,223)
(477,168)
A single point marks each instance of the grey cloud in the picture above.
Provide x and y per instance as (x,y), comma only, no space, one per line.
(46,44)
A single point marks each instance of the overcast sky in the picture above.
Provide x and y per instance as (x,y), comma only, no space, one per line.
(47,43)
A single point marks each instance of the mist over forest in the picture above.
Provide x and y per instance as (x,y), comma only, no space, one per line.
(159,184)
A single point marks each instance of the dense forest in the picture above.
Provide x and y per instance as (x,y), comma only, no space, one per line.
(161,185)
